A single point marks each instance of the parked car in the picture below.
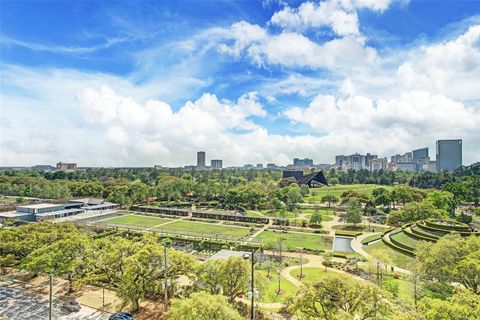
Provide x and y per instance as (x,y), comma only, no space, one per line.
(121,316)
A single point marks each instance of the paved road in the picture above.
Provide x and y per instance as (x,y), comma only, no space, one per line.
(18,304)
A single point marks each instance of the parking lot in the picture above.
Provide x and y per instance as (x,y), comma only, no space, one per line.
(18,304)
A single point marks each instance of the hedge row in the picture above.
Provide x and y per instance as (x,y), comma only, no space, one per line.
(458,227)
(398,243)
(398,248)
(347,233)
(417,235)
(425,227)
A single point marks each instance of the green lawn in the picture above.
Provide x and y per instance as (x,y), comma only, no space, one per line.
(137,220)
(373,236)
(276,213)
(323,211)
(405,290)
(252,213)
(297,240)
(269,294)
(359,227)
(406,240)
(395,258)
(317,193)
(209,229)
(312,274)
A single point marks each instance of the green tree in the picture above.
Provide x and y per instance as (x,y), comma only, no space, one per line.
(415,211)
(353,214)
(202,306)
(228,276)
(339,298)
(452,259)
(316,218)
(64,257)
(463,305)
(330,199)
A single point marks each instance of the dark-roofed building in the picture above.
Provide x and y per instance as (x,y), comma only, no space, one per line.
(311,179)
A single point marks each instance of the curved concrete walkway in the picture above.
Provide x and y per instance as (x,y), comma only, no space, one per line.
(357,246)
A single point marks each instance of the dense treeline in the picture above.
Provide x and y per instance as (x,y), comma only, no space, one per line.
(252,188)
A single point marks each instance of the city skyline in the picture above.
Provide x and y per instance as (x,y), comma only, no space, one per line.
(145,83)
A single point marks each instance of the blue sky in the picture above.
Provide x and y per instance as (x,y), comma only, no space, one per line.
(143,83)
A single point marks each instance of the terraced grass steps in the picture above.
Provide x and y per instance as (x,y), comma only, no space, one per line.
(415,233)
(396,245)
(401,237)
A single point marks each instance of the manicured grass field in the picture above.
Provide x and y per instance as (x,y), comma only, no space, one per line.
(206,229)
(269,294)
(312,274)
(252,213)
(137,220)
(337,190)
(297,240)
(323,211)
(395,258)
(403,238)
(276,213)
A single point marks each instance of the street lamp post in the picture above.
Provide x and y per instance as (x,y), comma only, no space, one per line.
(252,287)
(165,290)
(50,280)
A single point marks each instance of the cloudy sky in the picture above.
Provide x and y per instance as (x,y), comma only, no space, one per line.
(144,83)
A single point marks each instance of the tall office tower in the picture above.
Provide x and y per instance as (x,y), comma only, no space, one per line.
(449,154)
(302,162)
(201,159)
(216,164)
(420,157)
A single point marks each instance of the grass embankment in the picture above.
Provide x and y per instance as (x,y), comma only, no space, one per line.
(388,255)
(372,237)
(406,240)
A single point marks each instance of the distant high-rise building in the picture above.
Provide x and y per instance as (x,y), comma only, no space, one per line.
(271,166)
(355,161)
(420,157)
(216,164)
(66,166)
(259,165)
(201,159)
(302,162)
(404,158)
(378,164)
(449,154)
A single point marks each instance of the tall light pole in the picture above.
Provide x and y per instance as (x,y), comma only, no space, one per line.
(165,290)
(252,288)
(50,280)
(280,267)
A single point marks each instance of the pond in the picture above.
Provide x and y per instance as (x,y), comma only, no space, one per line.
(342,244)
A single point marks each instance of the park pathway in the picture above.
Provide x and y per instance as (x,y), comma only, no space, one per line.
(165,223)
(264,228)
(357,246)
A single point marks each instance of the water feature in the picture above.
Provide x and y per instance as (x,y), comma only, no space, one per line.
(342,244)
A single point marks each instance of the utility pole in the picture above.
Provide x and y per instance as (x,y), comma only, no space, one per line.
(50,280)
(252,288)
(103,296)
(301,264)
(165,302)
